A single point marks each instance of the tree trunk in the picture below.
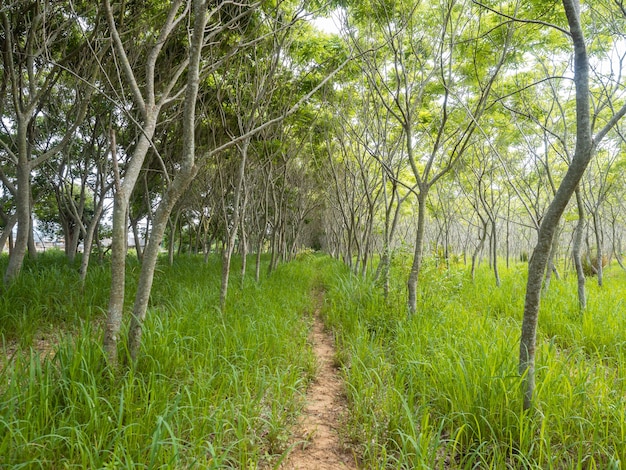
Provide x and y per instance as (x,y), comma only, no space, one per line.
(257,271)
(237,214)
(134,226)
(178,186)
(173,224)
(118,276)
(32,248)
(582,156)
(8,230)
(88,241)
(417,255)
(226,259)
(576,251)
(119,237)
(597,228)
(23,206)
(551,269)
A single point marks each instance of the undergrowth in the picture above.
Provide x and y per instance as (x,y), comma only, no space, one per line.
(441,389)
(211,389)
(215,389)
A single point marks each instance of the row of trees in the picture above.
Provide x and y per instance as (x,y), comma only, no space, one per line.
(149,115)
(456,124)
(484,116)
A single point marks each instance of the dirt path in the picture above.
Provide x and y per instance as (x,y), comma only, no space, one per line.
(319,445)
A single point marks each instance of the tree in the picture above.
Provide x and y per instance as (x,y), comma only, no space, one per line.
(39,44)
(149,90)
(190,165)
(435,79)
(585,146)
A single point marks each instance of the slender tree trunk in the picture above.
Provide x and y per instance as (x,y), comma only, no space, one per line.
(119,237)
(173,224)
(237,215)
(257,271)
(22,203)
(597,228)
(576,251)
(494,235)
(226,260)
(118,276)
(137,238)
(88,241)
(577,167)
(417,255)
(32,248)
(617,251)
(8,229)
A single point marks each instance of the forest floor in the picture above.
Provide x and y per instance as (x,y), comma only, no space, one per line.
(318,444)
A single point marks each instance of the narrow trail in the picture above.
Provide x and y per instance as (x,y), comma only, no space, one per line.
(319,445)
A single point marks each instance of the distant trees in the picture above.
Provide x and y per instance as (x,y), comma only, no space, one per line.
(432,77)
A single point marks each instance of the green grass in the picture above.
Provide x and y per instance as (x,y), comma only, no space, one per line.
(210,389)
(441,389)
(215,389)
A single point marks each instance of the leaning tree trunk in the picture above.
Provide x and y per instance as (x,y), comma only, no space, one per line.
(547,229)
(119,237)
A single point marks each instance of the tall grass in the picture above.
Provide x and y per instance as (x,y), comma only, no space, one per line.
(211,389)
(48,294)
(441,389)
